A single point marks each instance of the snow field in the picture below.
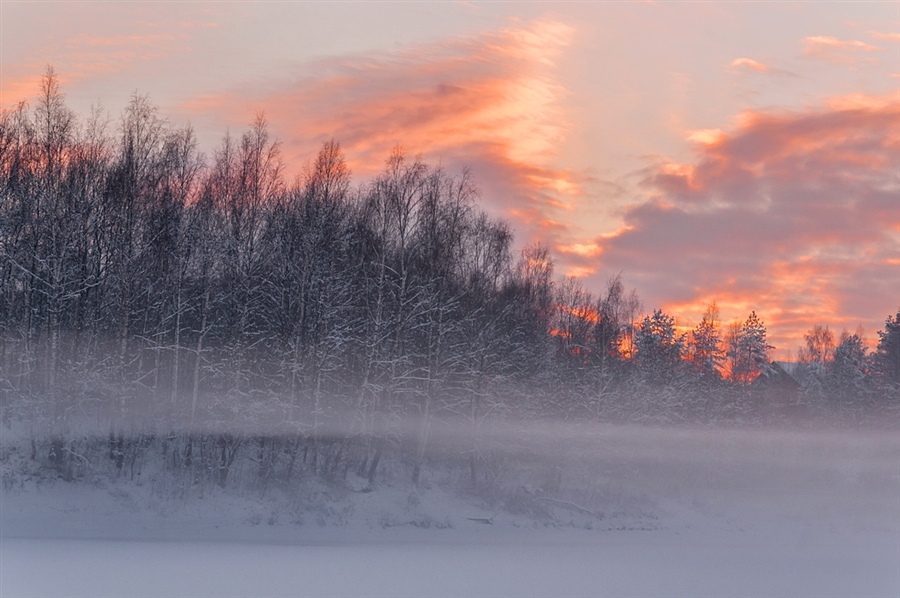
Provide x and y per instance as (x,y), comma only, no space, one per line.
(624,512)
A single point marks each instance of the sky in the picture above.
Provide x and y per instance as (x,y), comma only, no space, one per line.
(746,153)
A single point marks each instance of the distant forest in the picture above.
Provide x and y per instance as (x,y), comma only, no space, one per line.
(211,306)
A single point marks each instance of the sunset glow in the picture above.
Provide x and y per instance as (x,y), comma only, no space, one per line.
(669,143)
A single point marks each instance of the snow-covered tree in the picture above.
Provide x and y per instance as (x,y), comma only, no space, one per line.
(748,350)
(886,359)
(705,350)
(848,381)
(659,348)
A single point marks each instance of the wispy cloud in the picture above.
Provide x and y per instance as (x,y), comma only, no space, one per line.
(90,56)
(749,63)
(119,41)
(17,88)
(888,36)
(583,249)
(838,51)
(793,214)
(87,55)
(489,101)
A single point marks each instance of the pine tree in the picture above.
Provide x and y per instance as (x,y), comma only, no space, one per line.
(886,359)
(847,379)
(706,352)
(748,350)
(659,348)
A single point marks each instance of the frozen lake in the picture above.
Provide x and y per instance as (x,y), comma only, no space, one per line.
(749,562)
(684,513)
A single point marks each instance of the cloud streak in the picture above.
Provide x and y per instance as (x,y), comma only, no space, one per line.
(106,49)
(838,51)
(792,214)
(751,66)
(886,36)
(749,63)
(88,55)
(488,101)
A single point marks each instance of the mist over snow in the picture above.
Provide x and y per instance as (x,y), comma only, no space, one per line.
(572,510)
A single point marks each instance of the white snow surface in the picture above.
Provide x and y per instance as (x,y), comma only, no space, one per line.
(775,525)
(667,563)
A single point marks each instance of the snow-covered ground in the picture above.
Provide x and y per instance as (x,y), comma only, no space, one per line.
(680,514)
(750,562)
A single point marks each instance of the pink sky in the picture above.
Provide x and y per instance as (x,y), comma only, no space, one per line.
(744,153)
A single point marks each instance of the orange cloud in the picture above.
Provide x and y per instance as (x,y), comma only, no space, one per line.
(92,56)
(534,220)
(744,64)
(121,40)
(88,55)
(488,101)
(749,63)
(891,36)
(792,214)
(16,89)
(581,271)
(863,101)
(836,51)
(582,249)
(706,136)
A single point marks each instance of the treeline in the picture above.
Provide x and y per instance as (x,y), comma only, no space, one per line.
(208,304)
